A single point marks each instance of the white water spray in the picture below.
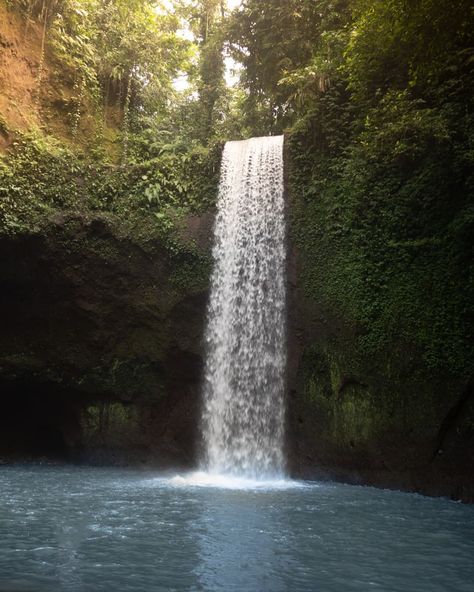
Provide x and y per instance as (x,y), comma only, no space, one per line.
(243,415)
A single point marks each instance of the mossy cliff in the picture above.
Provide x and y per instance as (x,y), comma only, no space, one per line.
(380,310)
(104,282)
(105,233)
(39,88)
(104,285)
(108,181)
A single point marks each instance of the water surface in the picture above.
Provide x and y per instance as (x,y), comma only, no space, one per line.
(90,529)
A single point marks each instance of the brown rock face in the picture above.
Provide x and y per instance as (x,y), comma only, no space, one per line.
(36,94)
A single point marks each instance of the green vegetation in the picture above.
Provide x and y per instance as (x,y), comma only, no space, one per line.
(118,60)
(39,177)
(377,101)
(123,52)
(382,181)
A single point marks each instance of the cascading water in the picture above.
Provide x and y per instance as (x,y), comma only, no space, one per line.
(243,414)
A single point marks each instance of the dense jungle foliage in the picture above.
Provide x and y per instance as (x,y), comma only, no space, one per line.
(376,97)
(378,100)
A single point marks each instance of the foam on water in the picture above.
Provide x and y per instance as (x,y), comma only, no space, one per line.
(220,481)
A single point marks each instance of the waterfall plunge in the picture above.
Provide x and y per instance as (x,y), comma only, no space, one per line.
(243,412)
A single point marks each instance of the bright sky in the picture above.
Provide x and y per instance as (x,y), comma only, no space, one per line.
(230,3)
(231,74)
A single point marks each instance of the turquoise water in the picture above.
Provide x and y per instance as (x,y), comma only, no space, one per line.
(90,529)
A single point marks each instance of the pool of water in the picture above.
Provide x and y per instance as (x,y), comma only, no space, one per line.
(111,530)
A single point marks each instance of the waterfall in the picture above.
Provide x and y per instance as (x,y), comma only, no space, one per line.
(243,407)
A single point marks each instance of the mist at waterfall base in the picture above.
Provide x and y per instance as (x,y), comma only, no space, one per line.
(238,523)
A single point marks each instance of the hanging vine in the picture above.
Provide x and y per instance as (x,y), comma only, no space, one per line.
(39,78)
(126,118)
(79,91)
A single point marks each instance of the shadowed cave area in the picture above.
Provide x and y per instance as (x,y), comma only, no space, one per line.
(46,422)
(100,355)
(39,420)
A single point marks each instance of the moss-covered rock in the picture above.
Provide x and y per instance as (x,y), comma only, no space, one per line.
(104,293)
(92,315)
(380,354)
